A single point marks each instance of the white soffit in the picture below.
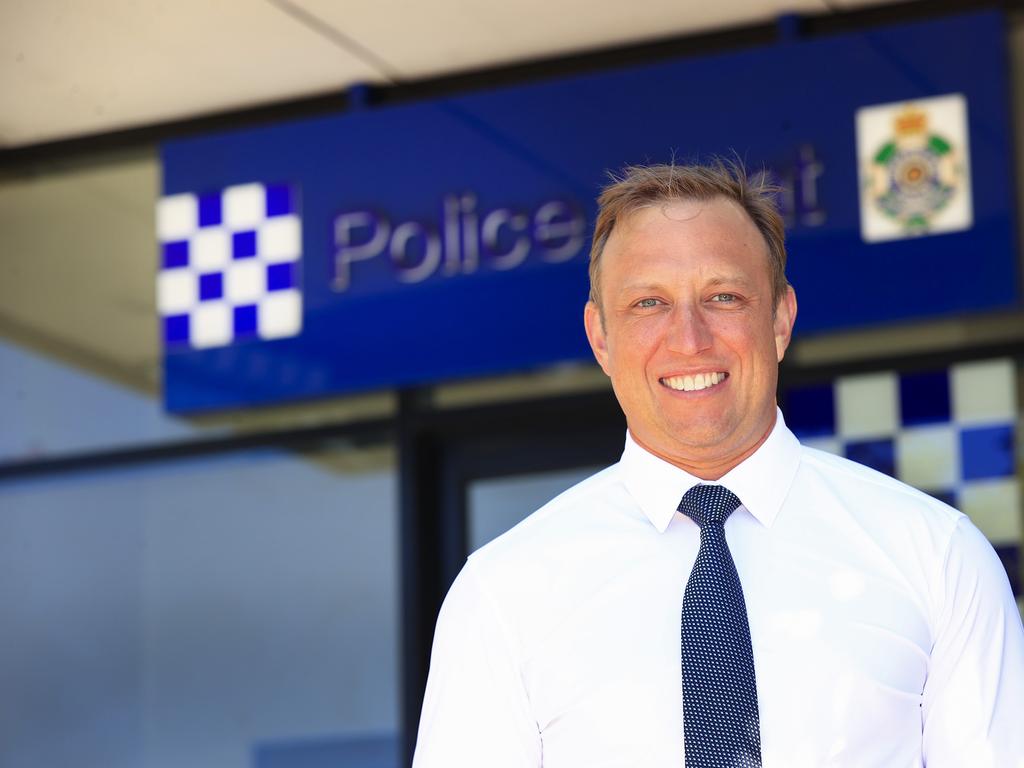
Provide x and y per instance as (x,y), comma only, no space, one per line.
(444,36)
(70,68)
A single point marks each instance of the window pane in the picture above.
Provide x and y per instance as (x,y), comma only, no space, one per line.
(199,612)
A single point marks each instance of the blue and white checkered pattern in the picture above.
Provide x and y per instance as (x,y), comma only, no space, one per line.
(950,433)
(230,266)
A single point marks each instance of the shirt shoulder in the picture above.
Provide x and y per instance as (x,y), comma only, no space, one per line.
(537,572)
(581,505)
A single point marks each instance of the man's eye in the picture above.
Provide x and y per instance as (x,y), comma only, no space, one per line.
(724,297)
(647,303)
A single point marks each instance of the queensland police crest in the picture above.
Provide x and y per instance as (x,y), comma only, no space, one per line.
(914,168)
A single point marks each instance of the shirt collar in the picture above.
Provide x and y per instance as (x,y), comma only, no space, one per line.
(761,481)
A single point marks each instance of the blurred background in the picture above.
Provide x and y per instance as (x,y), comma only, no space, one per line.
(290,303)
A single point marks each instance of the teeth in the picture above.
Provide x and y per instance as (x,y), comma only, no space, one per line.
(693,383)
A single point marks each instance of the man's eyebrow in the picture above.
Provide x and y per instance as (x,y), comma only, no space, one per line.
(739,280)
(712,282)
(631,287)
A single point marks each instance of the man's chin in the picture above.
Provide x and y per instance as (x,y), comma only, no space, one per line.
(710,441)
(702,435)
(688,441)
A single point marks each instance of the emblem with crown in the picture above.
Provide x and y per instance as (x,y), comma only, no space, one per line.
(915,174)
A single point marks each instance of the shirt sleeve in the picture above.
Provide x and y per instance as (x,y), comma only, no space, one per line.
(476,710)
(973,705)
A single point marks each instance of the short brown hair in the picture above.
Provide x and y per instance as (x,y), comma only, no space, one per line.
(640,186)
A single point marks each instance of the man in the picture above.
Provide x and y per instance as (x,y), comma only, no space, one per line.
(722,595)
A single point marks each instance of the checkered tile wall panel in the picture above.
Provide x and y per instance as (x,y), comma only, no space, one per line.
(230,266)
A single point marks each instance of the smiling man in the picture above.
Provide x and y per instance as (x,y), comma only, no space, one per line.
(722,596)
(687,320)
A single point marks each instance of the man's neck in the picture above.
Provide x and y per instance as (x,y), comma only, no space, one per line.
(713,467)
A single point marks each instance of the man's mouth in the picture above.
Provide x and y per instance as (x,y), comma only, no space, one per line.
(695,382)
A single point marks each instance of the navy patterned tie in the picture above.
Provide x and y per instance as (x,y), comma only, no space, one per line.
(720,720)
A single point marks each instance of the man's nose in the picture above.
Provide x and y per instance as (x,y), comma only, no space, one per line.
(688,331)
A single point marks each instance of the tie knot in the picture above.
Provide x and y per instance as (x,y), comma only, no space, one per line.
(708,504)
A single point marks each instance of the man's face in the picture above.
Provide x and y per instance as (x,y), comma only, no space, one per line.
(688,335)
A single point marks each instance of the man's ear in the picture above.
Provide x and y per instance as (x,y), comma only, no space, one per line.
(596,335)
(785,316)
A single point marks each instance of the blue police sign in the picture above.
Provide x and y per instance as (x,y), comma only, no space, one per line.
(417,243)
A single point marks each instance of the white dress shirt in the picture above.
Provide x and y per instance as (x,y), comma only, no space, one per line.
(884,631)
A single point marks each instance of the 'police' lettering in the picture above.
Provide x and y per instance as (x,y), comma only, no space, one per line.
(464,241)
